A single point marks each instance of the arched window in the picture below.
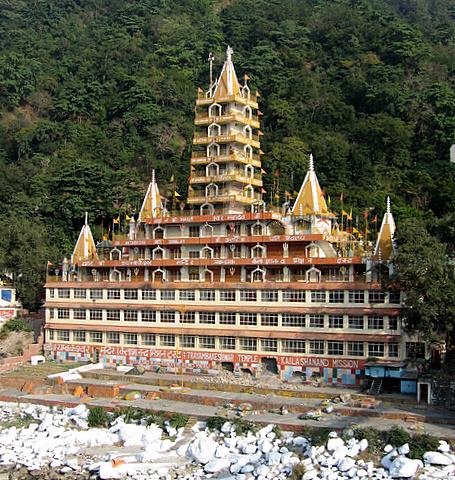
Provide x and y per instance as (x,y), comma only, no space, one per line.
(212,169)
(248,151)
(215,110)
(313,275)
(158,232)
(245,91)
(211,190)
(249,191)
(159,275)
(258,275)
(208,275)
(248,112)
(158,253)
(207,230)
(312,250)
(214,130)
(115,254)
(247,131)
(115,275)
(207,209)
(207,252)
(249,171)
(213,150)
(257,229)
(258,251)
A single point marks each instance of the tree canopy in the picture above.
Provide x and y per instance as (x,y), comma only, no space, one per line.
(94,94)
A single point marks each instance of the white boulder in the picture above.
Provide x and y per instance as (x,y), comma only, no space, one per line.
(436,458)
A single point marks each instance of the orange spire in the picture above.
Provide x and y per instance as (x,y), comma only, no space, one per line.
(310,199)
(385,243)
(85,248)
(227,83)
(152,205)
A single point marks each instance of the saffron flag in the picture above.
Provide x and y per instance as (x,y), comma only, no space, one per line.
(350,215)
(116,220)
(354,230)
(176,194)
(375,219)
(344,213)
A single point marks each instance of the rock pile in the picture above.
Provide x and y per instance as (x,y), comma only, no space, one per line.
(36,437)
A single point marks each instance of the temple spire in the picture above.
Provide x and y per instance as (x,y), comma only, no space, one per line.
(85,248)
(310,200)
(152,205)
(385,244)
(227,83)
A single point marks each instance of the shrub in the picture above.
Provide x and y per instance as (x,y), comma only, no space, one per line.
(317,436)
(178,420)
(375,438)
(419,444)
(397,436)
(15,325)
(98,417)
(215,423)
(242,427)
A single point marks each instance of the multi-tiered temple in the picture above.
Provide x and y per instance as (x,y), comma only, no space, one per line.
(231,282)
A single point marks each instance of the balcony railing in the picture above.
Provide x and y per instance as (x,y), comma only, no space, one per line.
(204,119)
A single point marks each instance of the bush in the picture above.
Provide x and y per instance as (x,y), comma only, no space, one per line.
(317,436)
(376,439)
(178,420)
(98,417)
(215,423)
(15,325)
(397,436)
(242,427)
(419,444)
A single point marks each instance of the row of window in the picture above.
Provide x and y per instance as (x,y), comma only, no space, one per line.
(230,295)
(313,347)
(299,320)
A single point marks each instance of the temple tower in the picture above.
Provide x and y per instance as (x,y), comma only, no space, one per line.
(226,172)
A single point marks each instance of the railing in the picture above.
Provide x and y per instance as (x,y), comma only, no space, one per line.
(224,157)
(227,117)
(227,98)
(225,176)
(227,136)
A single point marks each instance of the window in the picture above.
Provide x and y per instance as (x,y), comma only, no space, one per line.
(356,349)
(248,319)
(269,319)
(194,231)
(130,315)
(269,345)
(51,312)
(113,337)
(317,347)
(130,338)
(394,297)
(148,316)
(188,341)
(293,320)
(113,294)
(375,322)
(194,254)
(207,317)
(188,317)
(293,346)
(167,316)
(227,343)
(206,342)
(227,318)
(63,293)
(317,296)
(207,295)
(80,293)
(227,295)
(79,314)
(187,295)
(50,334)
(96,337)
(415,350)
(269,296)
(63,313)
(130,294)
(375,296)
(335,321)
(148,294)
(356,322)
(335,348)
(248,344)
(248,295)
(79,336)
(96,294)
(51,293)
(193,274)
(148,339)
(316,321)
(336,296)
(393,323)
(112,315)
(356,296)
(393,350)
(167,294)
(96,314)
(63,335)
(376,349)
(294,296)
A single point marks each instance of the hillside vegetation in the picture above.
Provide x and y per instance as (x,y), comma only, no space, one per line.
(94,94)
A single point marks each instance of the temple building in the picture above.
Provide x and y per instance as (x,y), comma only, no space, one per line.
(232,282)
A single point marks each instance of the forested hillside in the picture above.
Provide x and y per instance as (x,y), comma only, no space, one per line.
(96,93)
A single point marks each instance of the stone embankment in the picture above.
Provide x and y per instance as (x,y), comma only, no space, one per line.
(49,442)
